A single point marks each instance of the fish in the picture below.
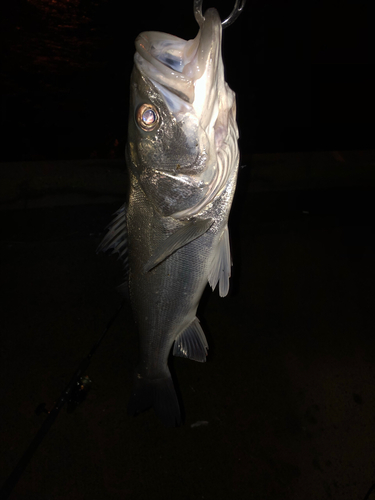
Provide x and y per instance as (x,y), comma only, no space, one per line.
(172,232)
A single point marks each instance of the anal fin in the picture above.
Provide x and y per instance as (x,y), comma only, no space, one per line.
(192,343)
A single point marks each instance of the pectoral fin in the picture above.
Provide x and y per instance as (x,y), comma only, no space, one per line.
(191,343)
(184,235)
(221,266)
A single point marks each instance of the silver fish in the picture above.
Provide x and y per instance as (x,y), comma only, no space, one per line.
(182,157)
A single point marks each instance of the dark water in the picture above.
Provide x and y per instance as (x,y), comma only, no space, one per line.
(66,67)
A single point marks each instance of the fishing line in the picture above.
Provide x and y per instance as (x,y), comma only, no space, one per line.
(74,393)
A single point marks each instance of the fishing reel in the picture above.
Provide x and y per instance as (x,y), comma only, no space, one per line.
(79,393)
(73,398)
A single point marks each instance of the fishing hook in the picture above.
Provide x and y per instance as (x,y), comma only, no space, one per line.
(238,7)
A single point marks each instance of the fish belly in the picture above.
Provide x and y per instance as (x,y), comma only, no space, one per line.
(164,301)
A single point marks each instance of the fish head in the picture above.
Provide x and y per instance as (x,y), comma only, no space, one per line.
(181,115)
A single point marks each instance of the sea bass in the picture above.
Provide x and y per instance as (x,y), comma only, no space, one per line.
(172,232)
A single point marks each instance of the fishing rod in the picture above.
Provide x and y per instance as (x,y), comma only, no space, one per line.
(73,394)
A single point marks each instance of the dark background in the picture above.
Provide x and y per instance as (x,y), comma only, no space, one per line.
(300,71)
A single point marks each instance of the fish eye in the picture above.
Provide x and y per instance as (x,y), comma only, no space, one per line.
(147,117)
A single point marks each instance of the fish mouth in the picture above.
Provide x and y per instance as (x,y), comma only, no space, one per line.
(189,75)
(182,70)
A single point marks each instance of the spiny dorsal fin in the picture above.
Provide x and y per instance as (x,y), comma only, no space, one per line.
(117,235)
(191,343)
(184,235)
(116,240)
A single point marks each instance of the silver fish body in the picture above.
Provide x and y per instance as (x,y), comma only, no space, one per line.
(182,157)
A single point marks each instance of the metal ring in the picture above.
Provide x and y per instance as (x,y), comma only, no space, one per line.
(237,9)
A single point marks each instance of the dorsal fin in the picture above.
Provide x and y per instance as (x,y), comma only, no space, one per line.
(116,240)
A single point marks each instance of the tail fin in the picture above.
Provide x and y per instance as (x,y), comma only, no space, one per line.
(159,394)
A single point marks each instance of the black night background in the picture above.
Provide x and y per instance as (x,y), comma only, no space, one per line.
(302,74)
